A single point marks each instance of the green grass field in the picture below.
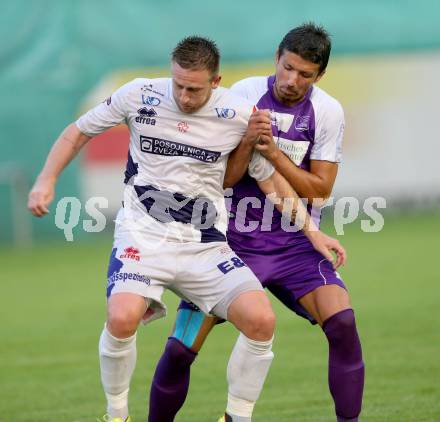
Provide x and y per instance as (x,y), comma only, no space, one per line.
(53,308)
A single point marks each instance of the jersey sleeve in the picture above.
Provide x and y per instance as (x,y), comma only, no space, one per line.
(329,134)
(111,112)
(259,168)
(250,88)
(240,88)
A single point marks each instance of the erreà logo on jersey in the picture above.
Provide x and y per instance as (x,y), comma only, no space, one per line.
(225,113)
(165,147)
(131,253)
(146,116)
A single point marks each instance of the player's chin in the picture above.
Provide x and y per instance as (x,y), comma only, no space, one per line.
(290,95)
(188,109)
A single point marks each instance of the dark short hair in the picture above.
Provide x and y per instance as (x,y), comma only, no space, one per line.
(197,53)
(310,41)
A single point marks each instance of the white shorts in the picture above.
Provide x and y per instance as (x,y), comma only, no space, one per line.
(207,274)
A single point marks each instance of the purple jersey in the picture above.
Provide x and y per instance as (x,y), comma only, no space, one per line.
(310,130)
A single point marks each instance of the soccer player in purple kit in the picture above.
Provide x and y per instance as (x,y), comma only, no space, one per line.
(307,126)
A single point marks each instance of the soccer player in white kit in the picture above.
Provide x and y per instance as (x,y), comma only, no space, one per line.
(170,232)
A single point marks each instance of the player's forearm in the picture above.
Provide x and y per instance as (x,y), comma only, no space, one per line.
(306,184)
(63,151)
(292,207)
(238,163)
(287,201)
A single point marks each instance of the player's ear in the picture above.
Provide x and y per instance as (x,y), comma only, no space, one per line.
(277,56)
(216,81)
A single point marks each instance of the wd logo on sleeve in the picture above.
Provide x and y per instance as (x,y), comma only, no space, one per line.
(159,146)
(151,101)
(225,113)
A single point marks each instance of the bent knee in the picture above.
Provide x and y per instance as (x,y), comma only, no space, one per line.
(252,314)
(122,323)
(177,355)
(261,326)
(341,323)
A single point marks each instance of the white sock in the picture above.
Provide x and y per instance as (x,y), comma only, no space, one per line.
(118,360)
(240,410)
(247,370)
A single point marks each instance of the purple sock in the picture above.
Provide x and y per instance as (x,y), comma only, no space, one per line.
(339,419)
(345,368)
(170,382)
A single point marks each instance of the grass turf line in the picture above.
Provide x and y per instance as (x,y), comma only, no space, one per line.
(53,308)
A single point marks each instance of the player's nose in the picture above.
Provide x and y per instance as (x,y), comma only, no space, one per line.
(184,98)
(293,78)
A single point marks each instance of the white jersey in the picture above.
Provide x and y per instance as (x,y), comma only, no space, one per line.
(176,161)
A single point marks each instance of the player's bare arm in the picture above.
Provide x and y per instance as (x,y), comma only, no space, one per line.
(238,162)
(316,183)
(279,190)
(64,150)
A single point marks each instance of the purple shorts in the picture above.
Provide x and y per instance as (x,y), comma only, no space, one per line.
(290,274)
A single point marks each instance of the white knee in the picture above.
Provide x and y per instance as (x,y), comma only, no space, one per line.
(122,323)
(261,326)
